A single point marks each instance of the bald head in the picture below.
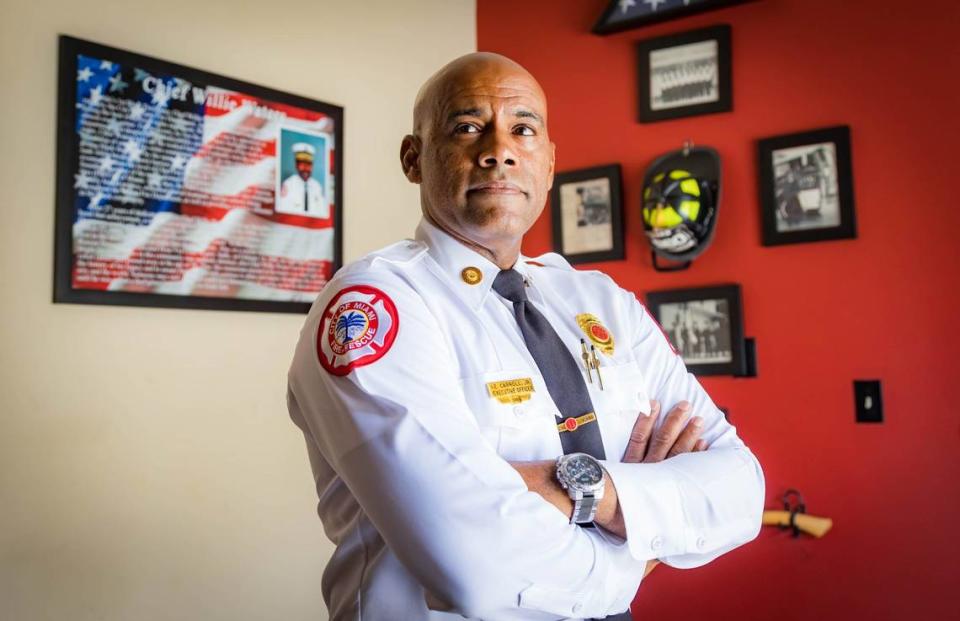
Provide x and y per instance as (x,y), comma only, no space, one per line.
(461,75)
(481,153)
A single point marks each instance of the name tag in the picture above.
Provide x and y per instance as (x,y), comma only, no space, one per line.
(511,391)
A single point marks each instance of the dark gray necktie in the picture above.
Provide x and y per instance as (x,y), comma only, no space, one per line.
(559,368)
(306,195)
(560,371)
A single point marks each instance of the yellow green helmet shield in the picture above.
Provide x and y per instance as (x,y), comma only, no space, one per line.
(679,202)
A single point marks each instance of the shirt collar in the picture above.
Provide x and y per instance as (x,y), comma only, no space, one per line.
(455,259)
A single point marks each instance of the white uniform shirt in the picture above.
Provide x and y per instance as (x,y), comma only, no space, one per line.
(292,197)
(409,452)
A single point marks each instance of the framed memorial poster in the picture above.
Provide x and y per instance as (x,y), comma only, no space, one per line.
(181,188)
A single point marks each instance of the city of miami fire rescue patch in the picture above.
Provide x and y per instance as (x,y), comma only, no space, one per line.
(357,328)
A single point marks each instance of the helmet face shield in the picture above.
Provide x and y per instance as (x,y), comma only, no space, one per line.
(681,191)
(676,240)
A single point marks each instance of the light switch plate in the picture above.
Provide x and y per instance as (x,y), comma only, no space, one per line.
(868,402)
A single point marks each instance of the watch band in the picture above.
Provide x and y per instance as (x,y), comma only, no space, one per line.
(584,509)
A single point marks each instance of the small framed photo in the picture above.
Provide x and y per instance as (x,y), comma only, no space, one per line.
(684,74)
(806,187)
(705,326)
(587,213)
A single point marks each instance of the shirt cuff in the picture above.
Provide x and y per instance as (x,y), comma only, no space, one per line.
(651,504)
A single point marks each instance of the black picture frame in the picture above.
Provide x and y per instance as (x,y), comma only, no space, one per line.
(792,210)
(623,15)
(593,231)
(705,57)
(68,153)
(720,351)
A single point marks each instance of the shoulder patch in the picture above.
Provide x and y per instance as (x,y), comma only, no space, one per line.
(357,328)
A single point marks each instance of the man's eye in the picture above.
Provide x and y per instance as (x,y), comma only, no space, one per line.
(465,128)
(524,130)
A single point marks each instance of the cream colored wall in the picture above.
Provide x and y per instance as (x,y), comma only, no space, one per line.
(148,469)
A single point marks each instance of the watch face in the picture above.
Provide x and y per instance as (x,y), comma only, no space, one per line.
(582,471)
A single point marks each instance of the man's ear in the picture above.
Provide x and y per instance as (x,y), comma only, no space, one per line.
(553,161)
(410,158)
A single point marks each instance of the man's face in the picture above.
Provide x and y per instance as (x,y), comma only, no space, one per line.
(304,169)
(486,160)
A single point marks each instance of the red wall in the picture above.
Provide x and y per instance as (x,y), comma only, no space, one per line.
(881,306)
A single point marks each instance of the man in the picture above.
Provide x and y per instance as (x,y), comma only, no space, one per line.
(437,381)
(300,193)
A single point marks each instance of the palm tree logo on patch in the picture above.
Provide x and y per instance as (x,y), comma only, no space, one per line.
(350,326)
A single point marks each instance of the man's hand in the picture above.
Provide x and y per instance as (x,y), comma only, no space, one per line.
(673,437)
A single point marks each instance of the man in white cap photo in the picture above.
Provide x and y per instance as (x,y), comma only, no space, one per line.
(301,193)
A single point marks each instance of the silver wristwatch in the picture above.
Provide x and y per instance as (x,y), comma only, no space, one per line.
(582,476)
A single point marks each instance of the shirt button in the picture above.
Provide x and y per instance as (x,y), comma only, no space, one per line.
(656,543)
(701,543)
(519,410)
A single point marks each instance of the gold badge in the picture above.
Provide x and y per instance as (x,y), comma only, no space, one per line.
(596,332)
(511,391)
(471,275)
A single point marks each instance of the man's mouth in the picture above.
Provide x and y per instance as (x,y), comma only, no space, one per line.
(495,187)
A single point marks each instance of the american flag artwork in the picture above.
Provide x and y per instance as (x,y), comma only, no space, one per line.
(176,186)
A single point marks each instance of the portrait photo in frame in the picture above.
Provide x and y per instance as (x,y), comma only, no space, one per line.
(705,326)
(587,214)
(685,74)
(806,187)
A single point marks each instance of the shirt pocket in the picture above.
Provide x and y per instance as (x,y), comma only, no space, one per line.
(519,429)
(623,398)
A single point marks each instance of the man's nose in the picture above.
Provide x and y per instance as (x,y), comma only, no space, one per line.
(496,150)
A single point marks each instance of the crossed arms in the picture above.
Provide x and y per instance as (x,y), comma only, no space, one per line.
(678,434)
(484,536)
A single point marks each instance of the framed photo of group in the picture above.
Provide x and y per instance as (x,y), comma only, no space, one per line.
(185,189)
(684,74)
(587,214)
(705,326)
(806,187)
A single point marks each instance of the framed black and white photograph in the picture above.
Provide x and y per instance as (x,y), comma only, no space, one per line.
(705,326)
(623,15)
(806,187)
(181,188)
(587,213)
(684,74)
